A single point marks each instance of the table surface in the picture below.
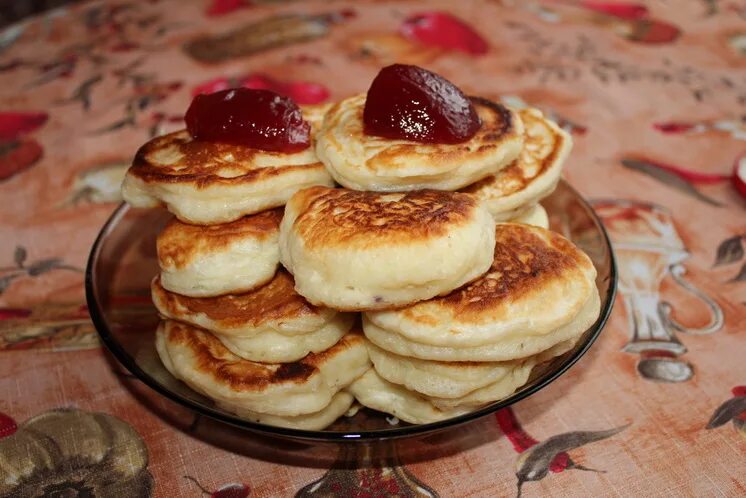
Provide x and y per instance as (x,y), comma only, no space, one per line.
(655,96)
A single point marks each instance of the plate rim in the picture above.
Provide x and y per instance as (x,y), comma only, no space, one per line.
(121,355)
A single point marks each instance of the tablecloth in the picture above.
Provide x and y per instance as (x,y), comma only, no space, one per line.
(654,94)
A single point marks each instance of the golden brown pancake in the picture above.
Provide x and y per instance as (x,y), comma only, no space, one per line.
(360,161)
(274,306)
(538,283)
(340,217)
(210,260)
(180,244)
(533,175)
(355,250)
(207,183)
(306,386)
(270,324)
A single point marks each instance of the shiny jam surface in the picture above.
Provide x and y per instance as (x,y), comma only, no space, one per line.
(260,119)
(411,103)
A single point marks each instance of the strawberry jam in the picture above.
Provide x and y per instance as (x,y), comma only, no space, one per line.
(411,103)
(260,119)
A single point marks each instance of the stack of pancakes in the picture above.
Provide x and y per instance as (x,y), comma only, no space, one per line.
(234,328)
(443,248)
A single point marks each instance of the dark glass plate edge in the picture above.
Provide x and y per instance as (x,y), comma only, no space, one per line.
(338,436)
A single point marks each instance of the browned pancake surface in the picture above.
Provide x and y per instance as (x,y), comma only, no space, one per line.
(180,243)
(332,217)
(527,259)
(214,359)
(177,158)
(529,165)
(273,302)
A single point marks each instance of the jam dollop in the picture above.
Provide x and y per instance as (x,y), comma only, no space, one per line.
(411,103)
(260,119)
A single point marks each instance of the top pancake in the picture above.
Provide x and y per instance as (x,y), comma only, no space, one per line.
(353,250)
(533,175)
(209,182)
(538,282)
(366,162)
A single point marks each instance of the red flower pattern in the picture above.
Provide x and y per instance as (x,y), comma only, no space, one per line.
(443,30)
(16,152)
(302,92)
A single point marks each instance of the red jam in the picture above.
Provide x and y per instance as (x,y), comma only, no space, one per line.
(260,119)
(411,103)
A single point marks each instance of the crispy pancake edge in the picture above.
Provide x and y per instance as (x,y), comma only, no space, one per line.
(213,359)
(514,171)
(197,152)
(274,301)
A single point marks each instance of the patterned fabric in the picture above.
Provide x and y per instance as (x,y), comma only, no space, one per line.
(655,95)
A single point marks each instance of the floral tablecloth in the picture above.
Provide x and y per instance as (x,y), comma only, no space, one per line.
(655,96)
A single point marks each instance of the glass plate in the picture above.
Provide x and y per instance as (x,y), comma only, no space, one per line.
(123,262)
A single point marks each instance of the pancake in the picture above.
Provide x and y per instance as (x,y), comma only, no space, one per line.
(379,394)
(270,324)
(202,261)
(206,183)
(506,385)
(515,346)
(438,378)
(314,114)
(535,215)
(339,405)
(273,347)
(366,162)
(197,358)
(533,175)
(538,291)
(490,393)
(352,250)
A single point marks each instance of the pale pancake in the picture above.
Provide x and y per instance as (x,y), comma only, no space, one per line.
(352,250)
(506,348)
(508,384)
(533,175)
(538,283)
(201,261)
(460,383)
(439,378)
(535,215)
(339,405)
(207,183)
(274,347)
(376,393)
(490,393)
(314,114)
(558,349)
(366,162)
(200,360)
